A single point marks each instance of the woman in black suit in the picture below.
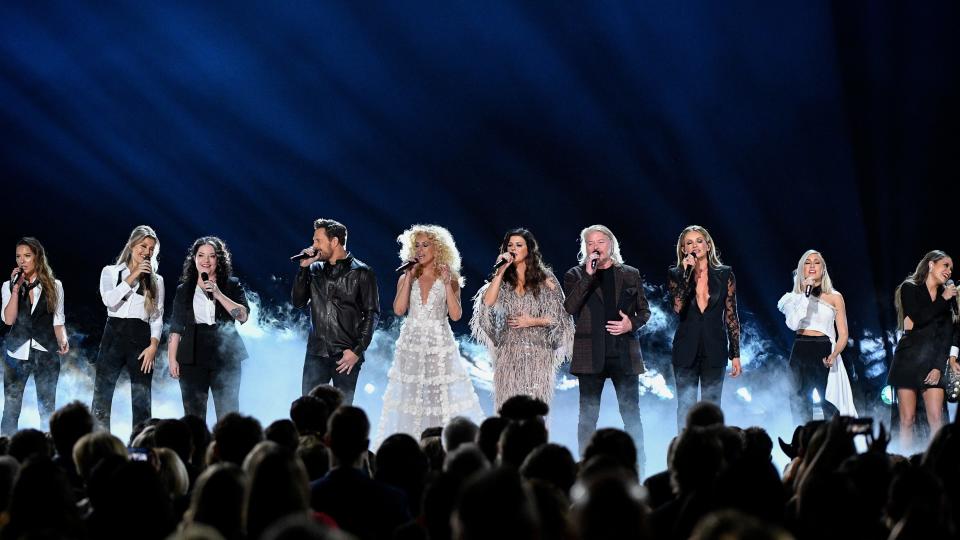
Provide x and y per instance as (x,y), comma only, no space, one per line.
(704,295)
(204,349)
(928,343)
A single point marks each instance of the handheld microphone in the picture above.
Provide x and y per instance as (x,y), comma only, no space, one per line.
(206,277)
(807,290)
(687,270)
(500,263)
(593,262)
(16,278)
(406,266)
(301,256)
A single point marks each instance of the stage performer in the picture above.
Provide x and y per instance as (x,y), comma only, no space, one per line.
(427,384)
(133,292)
(704,296)
(816,312)
(606,298)
(205,350)
(925,302)
(33,308)
(519,316)
(344,308)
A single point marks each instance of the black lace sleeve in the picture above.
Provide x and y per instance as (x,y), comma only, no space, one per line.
(679,289)
(731,317)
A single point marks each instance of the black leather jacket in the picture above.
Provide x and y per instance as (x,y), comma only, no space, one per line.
(344,305)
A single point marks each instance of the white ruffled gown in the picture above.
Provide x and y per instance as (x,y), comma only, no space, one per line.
(428,383)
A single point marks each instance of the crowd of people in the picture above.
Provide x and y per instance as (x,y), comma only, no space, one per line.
(314,476)
(438,468)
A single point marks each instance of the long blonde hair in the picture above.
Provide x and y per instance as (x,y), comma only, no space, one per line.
(44,272)
(126,256)
(826,284)
(713,252)
(443,244)
(918,277)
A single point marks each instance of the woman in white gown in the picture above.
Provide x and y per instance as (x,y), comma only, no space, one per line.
(427,384)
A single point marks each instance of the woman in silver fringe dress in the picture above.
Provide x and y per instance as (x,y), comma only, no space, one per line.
(519,316)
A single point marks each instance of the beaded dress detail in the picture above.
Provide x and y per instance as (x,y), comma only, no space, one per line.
(428,383)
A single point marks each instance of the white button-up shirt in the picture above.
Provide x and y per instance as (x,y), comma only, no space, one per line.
(123,302)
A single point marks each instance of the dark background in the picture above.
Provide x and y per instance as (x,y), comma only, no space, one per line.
(780,126)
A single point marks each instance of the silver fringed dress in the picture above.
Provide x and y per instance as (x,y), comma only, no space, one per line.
(525,360)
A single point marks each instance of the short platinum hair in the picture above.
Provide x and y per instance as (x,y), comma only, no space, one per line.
(614,244)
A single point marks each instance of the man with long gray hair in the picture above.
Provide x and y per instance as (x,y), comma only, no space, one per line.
(607,302)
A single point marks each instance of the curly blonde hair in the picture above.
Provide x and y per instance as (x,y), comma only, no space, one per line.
(444,246)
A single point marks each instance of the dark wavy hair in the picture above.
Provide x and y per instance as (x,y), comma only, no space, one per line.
(224,260)
(536,271)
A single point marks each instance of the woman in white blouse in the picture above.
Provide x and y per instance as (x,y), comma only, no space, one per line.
(33,308)
(815,310)
(205,350)
(132,291)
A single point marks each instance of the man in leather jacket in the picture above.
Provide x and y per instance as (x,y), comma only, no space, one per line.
(344,307)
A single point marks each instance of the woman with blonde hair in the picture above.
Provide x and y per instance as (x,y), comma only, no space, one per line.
(132,291)
(817,313)
(704,295)
(33,308)
(928,344)
(427,384)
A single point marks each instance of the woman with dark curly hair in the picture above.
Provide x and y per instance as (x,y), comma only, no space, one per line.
(205,349)
(522,323)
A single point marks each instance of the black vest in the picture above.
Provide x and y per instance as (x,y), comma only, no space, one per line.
(37,325)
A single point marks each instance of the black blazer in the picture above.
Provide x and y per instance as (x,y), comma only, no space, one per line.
(927,345)
(579,288)
(183,322)
(717,328)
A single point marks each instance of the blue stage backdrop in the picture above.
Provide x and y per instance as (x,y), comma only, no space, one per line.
(779,126)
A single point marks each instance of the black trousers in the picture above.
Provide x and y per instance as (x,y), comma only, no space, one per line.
(627,386)
(323,369)
(213,373)
(123,341)
(45,369)
(702,376)
(807,373)
(198,382)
